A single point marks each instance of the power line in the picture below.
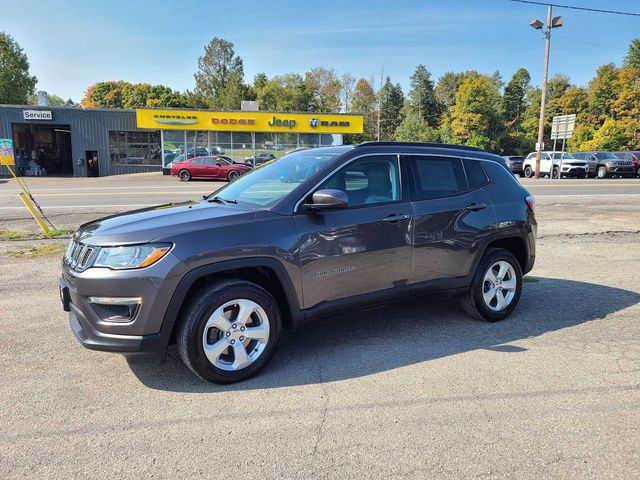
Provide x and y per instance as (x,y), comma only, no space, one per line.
(589,43)
(573,7)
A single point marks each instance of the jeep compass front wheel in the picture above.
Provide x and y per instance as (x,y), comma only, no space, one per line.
(496,286)
(229,331)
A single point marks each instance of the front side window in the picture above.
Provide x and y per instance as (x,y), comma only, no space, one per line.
(438,177)
(605,156)
(368,181)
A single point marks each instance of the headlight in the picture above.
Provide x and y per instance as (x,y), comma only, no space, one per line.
(131,256)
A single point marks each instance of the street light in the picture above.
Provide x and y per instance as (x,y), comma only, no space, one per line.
(554,22)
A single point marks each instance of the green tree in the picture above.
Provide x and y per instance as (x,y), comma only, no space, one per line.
(220,76)
(514,99)
(446,89)
(611,136)
(602,93)
(132,95)
(16,84)
(415,129)
(391,104)
(286,92)
(364,101)
(632,59)
(422,97)
(324,87)
(475,117)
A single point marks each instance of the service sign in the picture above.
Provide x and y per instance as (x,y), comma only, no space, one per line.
(249,121)
(37,115)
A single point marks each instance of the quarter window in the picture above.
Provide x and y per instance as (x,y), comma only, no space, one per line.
(476,175)
(438,177)
(368,181)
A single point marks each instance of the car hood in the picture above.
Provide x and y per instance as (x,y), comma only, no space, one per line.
(159,223)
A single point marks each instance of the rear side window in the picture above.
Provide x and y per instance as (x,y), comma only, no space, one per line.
(475,173)
(438,177)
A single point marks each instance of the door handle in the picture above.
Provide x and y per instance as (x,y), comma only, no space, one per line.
(475,207)
(395,218)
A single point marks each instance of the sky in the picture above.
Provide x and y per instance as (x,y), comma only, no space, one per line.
(73,44)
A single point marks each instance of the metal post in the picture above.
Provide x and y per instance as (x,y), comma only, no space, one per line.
(543,100)
(564,139)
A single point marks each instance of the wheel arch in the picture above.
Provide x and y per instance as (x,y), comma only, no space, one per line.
(510,241)
(266,272)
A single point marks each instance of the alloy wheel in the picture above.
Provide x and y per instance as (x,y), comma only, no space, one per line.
(236,334)
(499,286)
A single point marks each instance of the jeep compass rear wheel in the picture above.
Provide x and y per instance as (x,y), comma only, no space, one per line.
(229,331)
(496,286)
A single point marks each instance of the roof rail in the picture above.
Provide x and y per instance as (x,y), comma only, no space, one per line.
(418,144)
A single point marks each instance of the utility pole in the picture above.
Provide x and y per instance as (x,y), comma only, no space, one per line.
(537,24)
(380,100)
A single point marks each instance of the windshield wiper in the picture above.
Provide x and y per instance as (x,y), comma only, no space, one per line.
(222,200)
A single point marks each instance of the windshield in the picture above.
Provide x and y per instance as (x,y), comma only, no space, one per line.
(557,155)
(266,185)
(606,156)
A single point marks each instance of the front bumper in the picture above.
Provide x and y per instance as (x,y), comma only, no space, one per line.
(574,170)
(143,335)
(623,170)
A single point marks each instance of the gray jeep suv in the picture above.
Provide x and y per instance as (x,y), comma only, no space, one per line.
(358,225)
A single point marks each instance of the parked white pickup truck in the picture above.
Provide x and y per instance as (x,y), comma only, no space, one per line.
(563,164)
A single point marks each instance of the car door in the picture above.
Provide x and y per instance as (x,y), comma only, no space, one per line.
(211,168)
(451,214)
(545,163)
(363,248)
(196,167)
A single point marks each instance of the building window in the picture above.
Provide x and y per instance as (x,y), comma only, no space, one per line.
(135,148)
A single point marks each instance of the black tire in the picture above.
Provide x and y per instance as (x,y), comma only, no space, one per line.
(184,175)
(602,172)
(528,171)
(554,172)
(473,302)
(232,175)
(194,318)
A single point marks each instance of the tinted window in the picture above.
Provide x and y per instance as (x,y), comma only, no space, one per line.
(605,156)
(475,173)
(558,155)
(197,161)
(368,181)
(438,177)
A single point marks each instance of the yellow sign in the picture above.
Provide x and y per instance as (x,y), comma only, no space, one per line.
(249,121)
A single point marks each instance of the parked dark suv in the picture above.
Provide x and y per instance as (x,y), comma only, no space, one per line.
(515,164)
(359,226)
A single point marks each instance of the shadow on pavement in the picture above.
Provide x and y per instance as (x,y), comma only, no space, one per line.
(404,333)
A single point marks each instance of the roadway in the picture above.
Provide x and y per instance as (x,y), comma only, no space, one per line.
(134,191)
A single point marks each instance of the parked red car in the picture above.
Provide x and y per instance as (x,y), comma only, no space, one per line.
(634,156)
(215,168)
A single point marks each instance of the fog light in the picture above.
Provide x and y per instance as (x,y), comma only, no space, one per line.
(116,300)
(115,309)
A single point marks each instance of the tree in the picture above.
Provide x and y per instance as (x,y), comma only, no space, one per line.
(127,95)
(286,92)
(632,59)
(391,103)
(475,117)
(514,99)
(16,84)
(324,87)
(446,89)
(347,83)
(415,129)
(220,76)
(364,102)
(602,93)
(611,136)
(422,97)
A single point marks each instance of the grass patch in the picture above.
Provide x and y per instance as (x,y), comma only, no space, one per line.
(530,280)
(38,251)
(55,232)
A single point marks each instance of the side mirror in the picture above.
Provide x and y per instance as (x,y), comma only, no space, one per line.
(327,200)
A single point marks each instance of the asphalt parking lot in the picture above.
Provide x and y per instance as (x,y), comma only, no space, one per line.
(412,390)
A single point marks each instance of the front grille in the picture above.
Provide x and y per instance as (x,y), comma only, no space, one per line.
(78,255)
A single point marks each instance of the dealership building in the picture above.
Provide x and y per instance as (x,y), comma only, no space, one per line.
(97,142)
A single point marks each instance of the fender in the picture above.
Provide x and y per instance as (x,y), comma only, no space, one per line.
(187,281)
